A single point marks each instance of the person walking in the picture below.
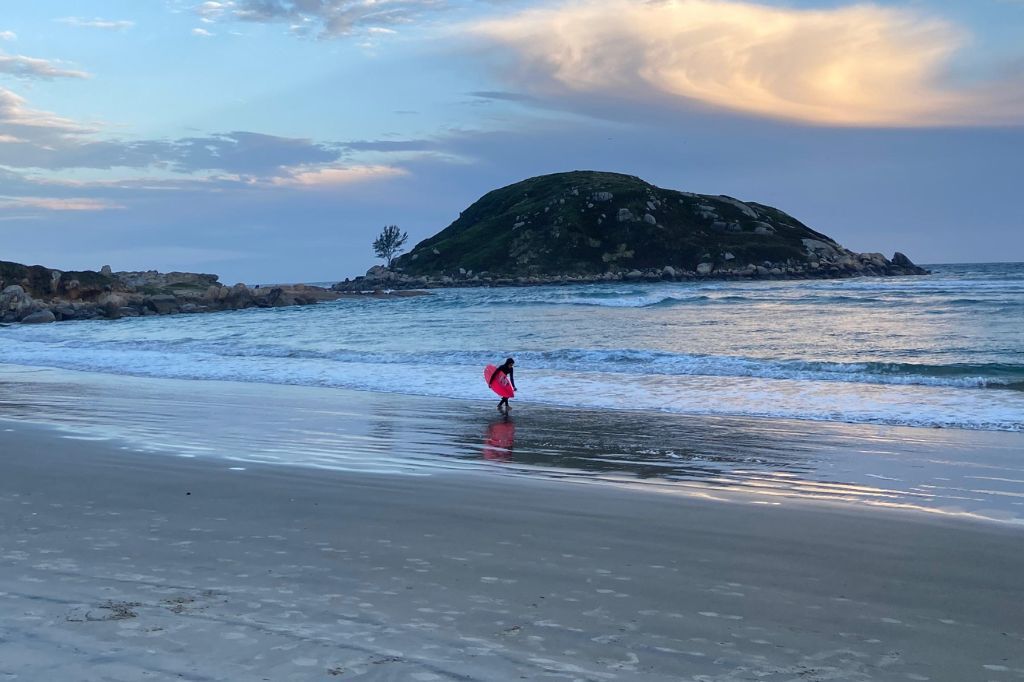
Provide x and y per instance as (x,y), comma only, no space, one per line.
(502,382)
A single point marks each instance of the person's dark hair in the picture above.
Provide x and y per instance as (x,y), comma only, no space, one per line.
(509,361)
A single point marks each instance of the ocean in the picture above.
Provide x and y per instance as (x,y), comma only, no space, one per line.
(945,350)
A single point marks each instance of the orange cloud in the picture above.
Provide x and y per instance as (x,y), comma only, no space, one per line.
(861,65)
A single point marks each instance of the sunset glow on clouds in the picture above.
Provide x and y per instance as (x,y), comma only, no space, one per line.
(330,177)
(856,65)
(58,204)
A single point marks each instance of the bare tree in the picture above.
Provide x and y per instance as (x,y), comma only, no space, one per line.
(389,242)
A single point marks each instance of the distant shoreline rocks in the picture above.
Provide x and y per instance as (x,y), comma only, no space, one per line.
(39,295)
(846,266)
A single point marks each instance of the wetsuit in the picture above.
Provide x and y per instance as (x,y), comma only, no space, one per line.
(508,372)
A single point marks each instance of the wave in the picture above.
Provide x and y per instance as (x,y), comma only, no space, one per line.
(914,406)
(608,361)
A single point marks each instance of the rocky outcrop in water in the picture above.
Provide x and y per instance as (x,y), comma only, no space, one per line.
(34,294)
(595,227)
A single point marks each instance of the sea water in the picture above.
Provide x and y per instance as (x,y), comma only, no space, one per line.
(944,350)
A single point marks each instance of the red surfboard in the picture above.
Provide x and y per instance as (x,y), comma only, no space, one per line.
(501,385)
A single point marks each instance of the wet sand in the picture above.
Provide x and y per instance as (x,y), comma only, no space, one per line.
(117,564)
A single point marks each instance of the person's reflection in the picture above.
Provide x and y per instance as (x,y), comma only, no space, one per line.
(499,440)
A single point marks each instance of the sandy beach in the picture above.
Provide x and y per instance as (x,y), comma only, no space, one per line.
(118,563)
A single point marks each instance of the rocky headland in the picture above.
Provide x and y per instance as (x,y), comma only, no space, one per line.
(35,294)
(588,226)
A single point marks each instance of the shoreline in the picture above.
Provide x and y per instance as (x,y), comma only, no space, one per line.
(128,565)
(956,473)
(398,281)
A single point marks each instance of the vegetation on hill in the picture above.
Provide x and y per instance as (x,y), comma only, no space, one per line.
(588,222)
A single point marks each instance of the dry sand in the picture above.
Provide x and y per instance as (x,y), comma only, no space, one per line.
(120,565)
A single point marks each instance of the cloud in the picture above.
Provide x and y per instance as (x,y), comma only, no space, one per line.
(106,24)
(391,146)
(504,96)
(8,35)
(58,204)
(19,121)
(324,18)
(30,67)
(330,177)
(859,65)
(42,140)
(201,32)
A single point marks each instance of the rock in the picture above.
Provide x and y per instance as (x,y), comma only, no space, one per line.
(624,215)
(152,279)
(128,311)
(106,271)
(15,304)
(704,268)
(111,300)
(40,317)
(728,256)
(668,272)
(746,210)
(602,196)
(649,219)
(65,312)
(634,274)
(902,261)
(162,304)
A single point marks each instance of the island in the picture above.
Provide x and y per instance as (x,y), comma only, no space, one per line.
(589,226)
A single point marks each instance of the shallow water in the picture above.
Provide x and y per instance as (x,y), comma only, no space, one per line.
(945,472)
(942,350)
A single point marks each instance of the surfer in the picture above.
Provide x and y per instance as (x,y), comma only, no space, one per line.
(503,381)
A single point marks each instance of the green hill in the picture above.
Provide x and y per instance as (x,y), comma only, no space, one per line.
(588,224)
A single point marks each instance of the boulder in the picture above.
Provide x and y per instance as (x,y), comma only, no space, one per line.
(40,317)
(162,304)
(902,261)
(65,312)
(15,303)
(704,268)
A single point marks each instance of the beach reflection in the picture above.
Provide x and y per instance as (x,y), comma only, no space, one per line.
(499,440)
(950,471)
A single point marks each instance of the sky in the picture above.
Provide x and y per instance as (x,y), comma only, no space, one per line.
(272,140)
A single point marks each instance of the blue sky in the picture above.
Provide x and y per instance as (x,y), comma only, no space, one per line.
(270,140)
